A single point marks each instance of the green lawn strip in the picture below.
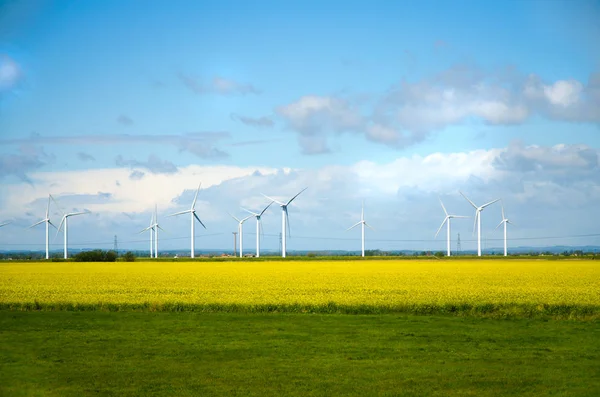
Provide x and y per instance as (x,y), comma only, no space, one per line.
(133,353)
(488,310)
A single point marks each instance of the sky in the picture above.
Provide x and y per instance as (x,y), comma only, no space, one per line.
(118,107)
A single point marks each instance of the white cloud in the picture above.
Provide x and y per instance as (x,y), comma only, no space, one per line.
(410,111)
(401,196)
(563,93)
(10,73)
(218,85)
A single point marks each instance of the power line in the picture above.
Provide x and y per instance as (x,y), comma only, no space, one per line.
(108,243)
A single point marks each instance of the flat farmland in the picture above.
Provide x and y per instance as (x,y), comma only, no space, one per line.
(297,328)
(501,288)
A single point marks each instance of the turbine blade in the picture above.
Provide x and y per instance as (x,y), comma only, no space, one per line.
(500,224)
(196,216)
(181,213)
(292,199)
(472,203)
(236,219)
(35,224)
(196,196)
(77,213)
(444,208)
(507,221)
(250,212)
(59,227)
(146,229)
(158,227)
(490,203)
(4,224)
(362,211)
(502,203)
(263,211)
(48,207)
(272,199)
(55,203)
(369,226)
(441,226)
(458,216)
(353,226)
(51,224)
(246,218)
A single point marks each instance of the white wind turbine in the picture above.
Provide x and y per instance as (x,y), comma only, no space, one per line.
(447,219)
(504,221)
(478,220)
(156,229)
(192,212)
(241,231)
(65,221)
(363,223)
(47,221)
(153,228)
(284,219)
(258,216)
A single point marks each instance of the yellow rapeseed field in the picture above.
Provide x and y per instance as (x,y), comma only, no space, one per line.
(463,286)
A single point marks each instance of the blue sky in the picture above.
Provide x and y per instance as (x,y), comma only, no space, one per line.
(117,106)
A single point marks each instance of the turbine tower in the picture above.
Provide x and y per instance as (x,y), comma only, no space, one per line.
(156,228)
(505,221)
(285,219)
(47,221)
(258,216)
(65,221)
(478,220)
(363,223)
(192,212)
(241,231)
(447,219)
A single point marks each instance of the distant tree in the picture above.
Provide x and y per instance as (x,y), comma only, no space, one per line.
(128,256)
(96,256)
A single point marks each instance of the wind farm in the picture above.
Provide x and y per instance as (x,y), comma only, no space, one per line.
(153,229)
(299,198)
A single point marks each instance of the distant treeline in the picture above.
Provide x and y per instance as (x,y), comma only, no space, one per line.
(112,256)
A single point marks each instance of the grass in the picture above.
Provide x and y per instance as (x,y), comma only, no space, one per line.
(131,354)
(485,288)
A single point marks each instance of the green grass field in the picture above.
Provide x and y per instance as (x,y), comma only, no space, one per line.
(132,354)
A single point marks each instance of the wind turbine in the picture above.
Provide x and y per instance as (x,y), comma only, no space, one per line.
(156,228)
(153,231)
(47,221)
(504,221)
(192,212)
(241,231)
(447,219)
(363,223)
(65,221)
(284,219)
(258,226)
(478,220)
